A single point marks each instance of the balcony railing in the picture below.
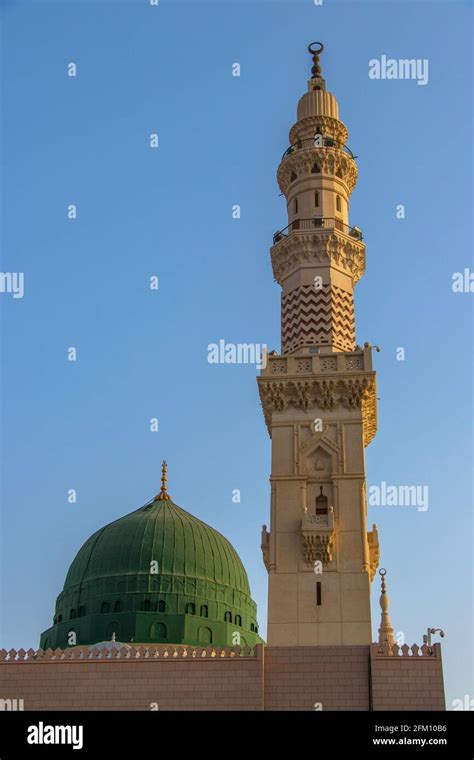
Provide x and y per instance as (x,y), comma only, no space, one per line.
(315,224)
(328,142)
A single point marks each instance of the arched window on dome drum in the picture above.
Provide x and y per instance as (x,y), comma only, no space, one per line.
(72,614)
(252,627)
(228,617)
(81,611)
(204,610)
(190,609)
(161,606)
(146,605)
(205,636)
(158,631)
(118,606)
(105,607)
(238,621)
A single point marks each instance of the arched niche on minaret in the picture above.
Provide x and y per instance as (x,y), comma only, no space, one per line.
(319,457)
(319,462)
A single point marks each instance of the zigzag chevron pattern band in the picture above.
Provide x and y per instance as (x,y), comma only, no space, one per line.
(317,317)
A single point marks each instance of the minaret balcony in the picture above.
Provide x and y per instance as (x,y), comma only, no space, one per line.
(319,378)
(316,224)
(311,142)
(318,361)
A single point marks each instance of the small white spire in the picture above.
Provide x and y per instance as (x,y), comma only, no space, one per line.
(386,638)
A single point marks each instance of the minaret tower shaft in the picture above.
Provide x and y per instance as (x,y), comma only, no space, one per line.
(319,395)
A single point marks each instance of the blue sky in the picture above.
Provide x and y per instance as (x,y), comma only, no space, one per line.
(167,212)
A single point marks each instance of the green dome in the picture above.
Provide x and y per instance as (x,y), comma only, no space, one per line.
(156,575)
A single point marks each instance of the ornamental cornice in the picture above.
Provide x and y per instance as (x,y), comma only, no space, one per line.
(309,126)
(331,392)
(333,163)
(326,246)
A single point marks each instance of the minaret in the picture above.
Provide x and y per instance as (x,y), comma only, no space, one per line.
(386,638)
(319,395)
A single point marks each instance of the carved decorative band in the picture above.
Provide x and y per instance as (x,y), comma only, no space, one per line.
(329,163)
(277,395)
(311,125)
(327,247)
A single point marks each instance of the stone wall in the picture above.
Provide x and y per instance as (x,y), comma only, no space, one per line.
(408,679)
(191,678)
(332,678)
(159,680)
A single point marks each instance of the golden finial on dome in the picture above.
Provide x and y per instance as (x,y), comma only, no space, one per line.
(163,495)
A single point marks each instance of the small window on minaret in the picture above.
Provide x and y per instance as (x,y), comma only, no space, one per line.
(296,205)
(318,593)
(293,176)
(321,503)
(316,198)
(316,169)
(338,203)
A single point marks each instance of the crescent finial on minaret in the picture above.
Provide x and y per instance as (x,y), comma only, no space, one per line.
(316,69)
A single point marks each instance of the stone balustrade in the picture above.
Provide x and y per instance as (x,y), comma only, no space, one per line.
(128,652)
(319,363)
